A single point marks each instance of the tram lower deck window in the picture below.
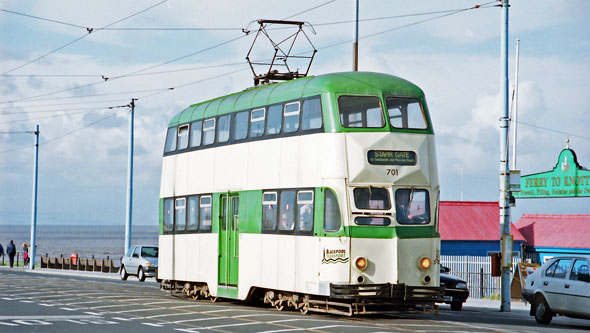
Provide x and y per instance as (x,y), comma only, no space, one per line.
(412,206)
(371,198)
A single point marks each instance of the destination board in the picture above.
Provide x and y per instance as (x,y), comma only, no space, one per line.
(391,157)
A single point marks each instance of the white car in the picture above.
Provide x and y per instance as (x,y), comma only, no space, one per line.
(560,287)
(140,260)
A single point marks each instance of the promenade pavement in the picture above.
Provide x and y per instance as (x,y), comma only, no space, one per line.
(474,304)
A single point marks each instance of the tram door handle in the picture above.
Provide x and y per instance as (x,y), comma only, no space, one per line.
(236,223)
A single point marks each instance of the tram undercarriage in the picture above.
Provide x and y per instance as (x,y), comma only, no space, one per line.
(345,300)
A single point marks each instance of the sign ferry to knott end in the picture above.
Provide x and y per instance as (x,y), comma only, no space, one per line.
(567,179)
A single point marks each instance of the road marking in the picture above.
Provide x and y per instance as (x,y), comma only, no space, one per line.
(282,321)
(170,315)
(111,306)
(76,321)
(70,309)
(56,317)
(198,319)
(213,311)
(26,301)
(152,324)
(284,330)
(8,324)
(137,310)
(234,325)
(127,319)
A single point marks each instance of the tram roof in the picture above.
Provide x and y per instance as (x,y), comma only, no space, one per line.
(358,83)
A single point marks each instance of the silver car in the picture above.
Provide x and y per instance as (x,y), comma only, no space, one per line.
(560,287)
(140,260)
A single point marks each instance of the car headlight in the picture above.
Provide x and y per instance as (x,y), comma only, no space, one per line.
(147,264)
(461,285)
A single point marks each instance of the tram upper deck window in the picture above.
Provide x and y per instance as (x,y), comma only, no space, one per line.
(240,125)
(196,129)
(209,131)
(412,206)
(170,140)
(360,112)
(223,128)
(312,114)
(405,113)
(183,137)
(168,217)
(291,115)
(180,211)
(269,211)
(257,122)
(275,118)
(371,198)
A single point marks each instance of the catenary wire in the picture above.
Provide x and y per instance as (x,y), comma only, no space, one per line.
(61,115)
(79,38)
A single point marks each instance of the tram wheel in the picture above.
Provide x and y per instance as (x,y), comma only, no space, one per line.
(279,305)
(304,308)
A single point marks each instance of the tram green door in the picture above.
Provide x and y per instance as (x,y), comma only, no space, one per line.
(228,240)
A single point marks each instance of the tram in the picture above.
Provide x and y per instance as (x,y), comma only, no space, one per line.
(319,193)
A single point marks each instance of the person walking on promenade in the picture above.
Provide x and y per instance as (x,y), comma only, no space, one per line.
(11,251)
(2,253)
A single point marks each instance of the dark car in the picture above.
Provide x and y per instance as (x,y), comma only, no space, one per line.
(456,291)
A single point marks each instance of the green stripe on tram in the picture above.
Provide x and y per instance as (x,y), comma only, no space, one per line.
(388,232)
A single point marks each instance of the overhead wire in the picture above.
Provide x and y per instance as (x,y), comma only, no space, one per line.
(89,31)
(61,115)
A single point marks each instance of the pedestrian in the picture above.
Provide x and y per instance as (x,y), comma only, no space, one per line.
(2,253)
(11,251)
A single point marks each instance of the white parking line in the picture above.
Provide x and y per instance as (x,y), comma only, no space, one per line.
(234,325)
(152,324)
(214,311)
(138,310)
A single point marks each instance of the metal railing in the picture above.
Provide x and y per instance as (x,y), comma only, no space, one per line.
(477,272)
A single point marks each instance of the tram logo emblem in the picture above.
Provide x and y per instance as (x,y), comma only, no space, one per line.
(336,256)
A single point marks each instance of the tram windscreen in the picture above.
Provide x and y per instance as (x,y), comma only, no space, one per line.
(412,206)
(360,112)
(405,113)
(371,198)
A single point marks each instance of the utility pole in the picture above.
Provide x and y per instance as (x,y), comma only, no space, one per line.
(355,45)
(515,104)
(34,205)
(506,244)
(129,179)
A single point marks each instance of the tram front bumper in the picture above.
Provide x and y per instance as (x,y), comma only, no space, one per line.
(387,292)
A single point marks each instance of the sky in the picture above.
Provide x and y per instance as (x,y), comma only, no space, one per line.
(52,73)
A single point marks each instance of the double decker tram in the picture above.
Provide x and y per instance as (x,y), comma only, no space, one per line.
(319,194)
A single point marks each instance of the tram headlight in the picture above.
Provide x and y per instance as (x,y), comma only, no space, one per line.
(424,263)
(361,263)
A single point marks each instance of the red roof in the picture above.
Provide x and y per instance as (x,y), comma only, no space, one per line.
(472,221)
(547,230)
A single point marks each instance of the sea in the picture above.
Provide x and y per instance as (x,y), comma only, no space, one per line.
(100,242)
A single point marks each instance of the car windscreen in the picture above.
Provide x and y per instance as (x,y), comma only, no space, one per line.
(149,252)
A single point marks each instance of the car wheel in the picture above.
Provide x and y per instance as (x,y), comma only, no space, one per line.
(141,274)
(123,273)
(543,313)
(456,306)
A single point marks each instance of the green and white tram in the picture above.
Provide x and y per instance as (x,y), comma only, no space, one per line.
(319,193)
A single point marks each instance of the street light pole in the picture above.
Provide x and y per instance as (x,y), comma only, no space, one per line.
(34,205)
(504,171)
(355,45)
(129,179)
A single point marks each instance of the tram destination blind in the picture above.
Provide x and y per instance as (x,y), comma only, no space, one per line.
(391,157)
